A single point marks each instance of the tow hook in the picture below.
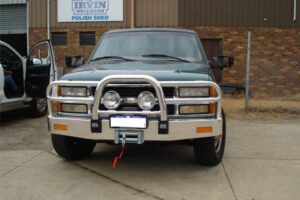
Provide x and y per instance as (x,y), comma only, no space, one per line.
(120,155)
(127,136)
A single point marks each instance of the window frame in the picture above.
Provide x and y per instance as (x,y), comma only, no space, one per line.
(63,43)
(87,34)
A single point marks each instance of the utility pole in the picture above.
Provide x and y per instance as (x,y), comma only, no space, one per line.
(248,71)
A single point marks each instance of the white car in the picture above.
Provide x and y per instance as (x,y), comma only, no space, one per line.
(23,80)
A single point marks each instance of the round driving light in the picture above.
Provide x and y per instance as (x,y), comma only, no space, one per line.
(146,100)
(111,100)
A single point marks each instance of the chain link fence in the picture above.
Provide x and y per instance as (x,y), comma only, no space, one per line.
(276,77)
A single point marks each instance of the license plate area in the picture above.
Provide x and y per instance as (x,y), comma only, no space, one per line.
(128,121)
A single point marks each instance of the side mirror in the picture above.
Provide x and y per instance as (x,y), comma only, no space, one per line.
(37,61)
(222,62)
(74,61)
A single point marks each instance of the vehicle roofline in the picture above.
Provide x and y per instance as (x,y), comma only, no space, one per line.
(176,30)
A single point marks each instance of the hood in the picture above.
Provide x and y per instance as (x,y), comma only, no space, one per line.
(161,70)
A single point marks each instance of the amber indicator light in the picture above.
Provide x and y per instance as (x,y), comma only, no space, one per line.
(58,104)
(212,106)
(204,129)
(60,127)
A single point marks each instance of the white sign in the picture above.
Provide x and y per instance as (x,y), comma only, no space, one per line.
(89,10)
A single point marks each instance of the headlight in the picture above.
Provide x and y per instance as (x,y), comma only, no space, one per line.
(194,92)
(111,100)
(73,91)
(195,109)
(146,100)
(74,108)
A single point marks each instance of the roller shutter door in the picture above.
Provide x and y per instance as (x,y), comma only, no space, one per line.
(13,19)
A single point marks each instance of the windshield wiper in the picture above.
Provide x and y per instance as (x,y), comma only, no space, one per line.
(111,57)
(165,56)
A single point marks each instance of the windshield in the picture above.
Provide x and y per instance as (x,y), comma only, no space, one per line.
(159,45)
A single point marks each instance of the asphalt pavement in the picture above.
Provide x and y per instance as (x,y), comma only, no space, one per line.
(261,162)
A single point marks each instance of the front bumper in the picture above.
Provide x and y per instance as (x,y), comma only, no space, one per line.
(96,125)
(183,129)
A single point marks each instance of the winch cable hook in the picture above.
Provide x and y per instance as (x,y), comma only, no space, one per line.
(120,155)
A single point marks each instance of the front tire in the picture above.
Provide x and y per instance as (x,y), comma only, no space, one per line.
(72,148)
(210,151)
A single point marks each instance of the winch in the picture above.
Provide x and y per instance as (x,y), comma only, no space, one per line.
(129,136)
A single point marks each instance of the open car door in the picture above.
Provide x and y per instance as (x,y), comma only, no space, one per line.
(40,69)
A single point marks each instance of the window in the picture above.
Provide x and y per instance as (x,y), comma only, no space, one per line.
(13,70)
(9,60)
(87,38)
(59,38)
(136,44)
(212,47)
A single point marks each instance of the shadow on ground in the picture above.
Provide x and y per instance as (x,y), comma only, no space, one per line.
(145,156)
(12,117)
(168,171)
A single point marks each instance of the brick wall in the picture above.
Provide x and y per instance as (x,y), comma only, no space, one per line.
(275,57)
(72,48)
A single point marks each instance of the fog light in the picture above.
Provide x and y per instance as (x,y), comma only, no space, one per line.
(74,108)
(146,100)
(111,100)
(195,109)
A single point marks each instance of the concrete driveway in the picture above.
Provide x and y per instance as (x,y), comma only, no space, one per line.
(262,161)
